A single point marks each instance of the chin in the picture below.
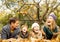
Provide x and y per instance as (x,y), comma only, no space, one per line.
(24,32)
(49,23)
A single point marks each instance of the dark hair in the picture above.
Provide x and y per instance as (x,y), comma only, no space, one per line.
(13,20)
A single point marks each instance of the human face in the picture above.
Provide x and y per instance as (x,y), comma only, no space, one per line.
(24,29)
(50,20)
(36,29)
(15,25)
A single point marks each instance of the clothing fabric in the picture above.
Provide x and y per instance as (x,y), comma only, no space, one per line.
(6,32)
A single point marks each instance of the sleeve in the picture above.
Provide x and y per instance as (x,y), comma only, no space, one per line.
(17,33)
(3,34)
(44,29)
(58,29)
(47,31)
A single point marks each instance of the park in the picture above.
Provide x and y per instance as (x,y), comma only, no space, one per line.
(26,14)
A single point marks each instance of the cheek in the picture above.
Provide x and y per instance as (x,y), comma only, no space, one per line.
(24,29)
(16,24)
(35,29)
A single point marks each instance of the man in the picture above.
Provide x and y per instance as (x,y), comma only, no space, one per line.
(10,30)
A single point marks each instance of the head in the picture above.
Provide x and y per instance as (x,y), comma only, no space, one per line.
(14,22)
(51,20)
(35,27)
(24,28)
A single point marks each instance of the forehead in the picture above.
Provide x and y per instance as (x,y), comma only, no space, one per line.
(36,27)
(24,28)
(50,17)
(17,21)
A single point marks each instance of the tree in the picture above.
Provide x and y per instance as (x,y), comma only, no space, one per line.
(27,9)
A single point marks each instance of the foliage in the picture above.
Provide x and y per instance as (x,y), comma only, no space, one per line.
(26,11)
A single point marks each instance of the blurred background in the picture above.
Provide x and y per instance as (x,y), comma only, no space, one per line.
(28,11)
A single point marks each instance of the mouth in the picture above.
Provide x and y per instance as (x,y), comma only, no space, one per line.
(24,30)
(49,22)
(36,30)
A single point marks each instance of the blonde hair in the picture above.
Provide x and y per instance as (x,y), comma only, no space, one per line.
(23,26)
(53,25)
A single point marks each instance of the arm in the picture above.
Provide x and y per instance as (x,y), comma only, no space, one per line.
(42,32)
(54,34)
(3,34)
(57,32)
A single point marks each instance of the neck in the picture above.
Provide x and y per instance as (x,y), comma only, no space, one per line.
(24,33)
(50,27)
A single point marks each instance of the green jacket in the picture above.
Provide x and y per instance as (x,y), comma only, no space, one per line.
(48,32)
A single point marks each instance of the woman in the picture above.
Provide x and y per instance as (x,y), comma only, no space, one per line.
(50,28)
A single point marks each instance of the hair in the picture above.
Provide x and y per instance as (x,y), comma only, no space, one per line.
(24,25)
(13,20)
(53,25)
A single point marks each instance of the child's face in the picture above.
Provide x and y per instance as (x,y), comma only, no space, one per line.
(24,29)
(49,20)
(36,29)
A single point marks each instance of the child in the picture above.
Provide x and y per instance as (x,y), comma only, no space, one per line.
(24,32)
(36,33)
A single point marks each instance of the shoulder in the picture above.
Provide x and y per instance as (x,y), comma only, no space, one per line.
(31,33)
(5,27)
(17,28)
(43,27)
(57,28)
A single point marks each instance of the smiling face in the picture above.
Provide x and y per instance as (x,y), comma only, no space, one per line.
(24,29)
(36,29)
(14,22)
(15,25)
(50,20)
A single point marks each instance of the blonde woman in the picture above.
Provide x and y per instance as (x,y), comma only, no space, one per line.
(50,28)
